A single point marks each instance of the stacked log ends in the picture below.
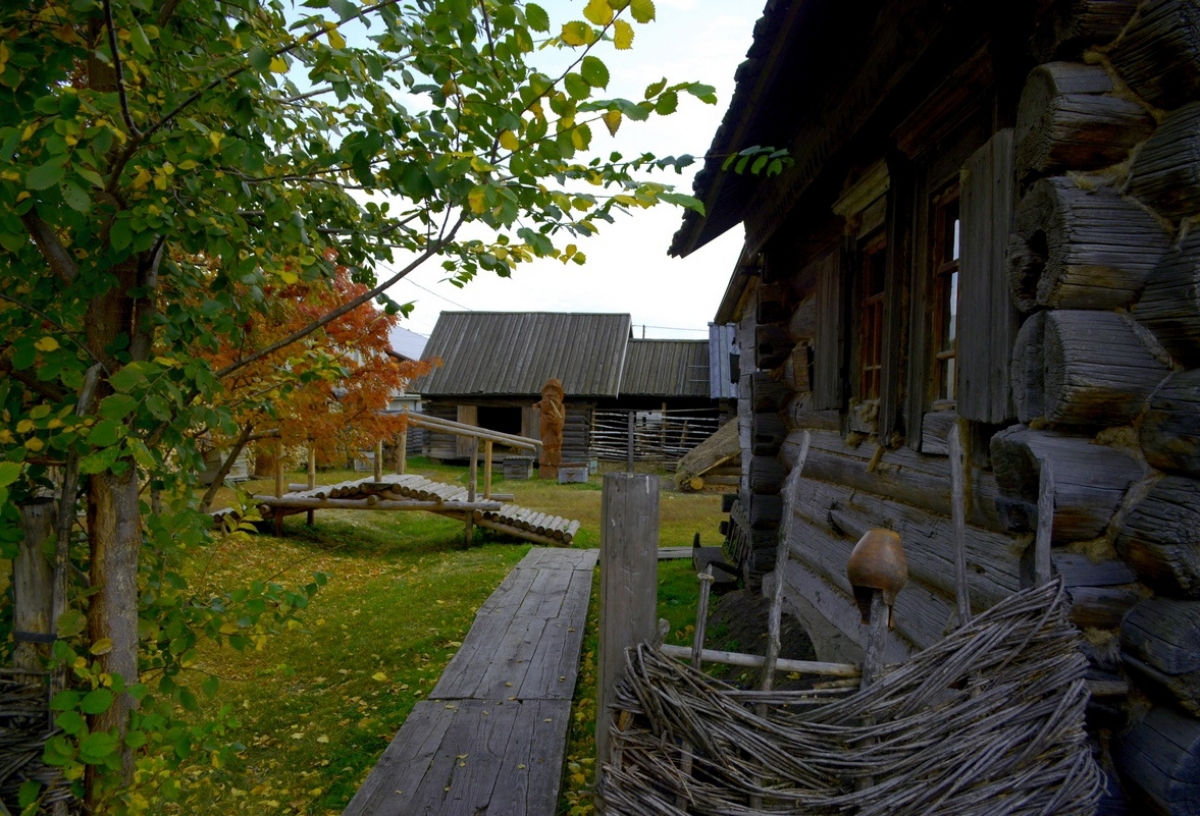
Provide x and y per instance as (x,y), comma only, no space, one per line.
(1161,756)
(1160,640)
(1067,27)
(1161,538)
(1170,304)
(1170,432)
(1066,120)
(1159,56)
(1100,368)
(1090,480)
(1028,369)
(1166,173)
(1079,248)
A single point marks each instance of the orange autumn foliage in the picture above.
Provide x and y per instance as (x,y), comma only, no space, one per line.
(329,390)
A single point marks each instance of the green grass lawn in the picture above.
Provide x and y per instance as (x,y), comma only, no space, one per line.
(319,704)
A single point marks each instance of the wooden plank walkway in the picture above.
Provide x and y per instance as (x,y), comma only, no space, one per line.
(492,737)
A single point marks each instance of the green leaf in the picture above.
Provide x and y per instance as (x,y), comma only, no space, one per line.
(95,747)
(105,433)
(344,8)
(64,700)
(577,86)
(759,164)
(141,44)
(116,406)
(75,196)
(642,10)
(99,461)
(258,58)
(655,88)
(97,701)
(127,379)
(70,721)
(43,176)
(71,623)
(667,103)
(622,35)
(594,71)
(537,17)
(577,32)
(682,200)
(28,793)
(9,472)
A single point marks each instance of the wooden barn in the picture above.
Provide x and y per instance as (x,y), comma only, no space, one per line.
(495,363)
(987,229)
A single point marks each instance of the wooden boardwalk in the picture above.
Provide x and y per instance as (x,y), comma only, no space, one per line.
(491,738)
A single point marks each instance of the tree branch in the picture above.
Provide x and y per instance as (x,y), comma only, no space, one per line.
(61,262)
(350,305)
(116,58)
(74,338)
(47,390)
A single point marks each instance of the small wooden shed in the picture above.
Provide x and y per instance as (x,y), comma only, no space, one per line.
(986,229)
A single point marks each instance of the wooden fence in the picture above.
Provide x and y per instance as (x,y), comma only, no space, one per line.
(654,436)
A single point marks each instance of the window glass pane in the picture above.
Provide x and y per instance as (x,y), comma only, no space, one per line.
(952,310)
(954,248)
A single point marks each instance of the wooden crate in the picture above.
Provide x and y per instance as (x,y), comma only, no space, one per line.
(569,472)
(518,467)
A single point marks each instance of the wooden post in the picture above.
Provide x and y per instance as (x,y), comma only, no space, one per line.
(791,493)
(958,512)
(33,586)
(706,582)
(402,453)
(471,483)
(312,479)
(379,460)
(628,585)
(629,446)
(279,484)
(487,469)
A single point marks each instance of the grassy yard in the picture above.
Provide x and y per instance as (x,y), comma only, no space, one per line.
(318,705)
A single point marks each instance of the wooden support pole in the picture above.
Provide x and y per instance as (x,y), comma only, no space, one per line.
(312,479)
(791,493)
(33,586)
(487,468)
(279,483)
(471,484)
(402,453)
(750,661)
(628,586)
(958,513)
(379,461)
(629,444)
(706,582)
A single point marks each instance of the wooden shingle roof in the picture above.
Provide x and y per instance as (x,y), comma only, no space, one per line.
(666,368)
(514,353)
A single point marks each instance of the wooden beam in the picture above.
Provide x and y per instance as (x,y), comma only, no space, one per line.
(379,461)
(469,533)
(461,429)
(402,453)
(300,503)
(757,661)
(33,586)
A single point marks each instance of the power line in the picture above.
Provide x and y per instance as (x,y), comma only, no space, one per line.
(436,295)
(669,328)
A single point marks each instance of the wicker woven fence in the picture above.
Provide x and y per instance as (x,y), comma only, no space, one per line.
(657,436)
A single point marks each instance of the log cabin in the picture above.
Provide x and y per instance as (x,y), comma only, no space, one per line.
(495,363)
(986,228)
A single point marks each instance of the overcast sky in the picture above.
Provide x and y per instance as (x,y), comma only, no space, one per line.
(627,268)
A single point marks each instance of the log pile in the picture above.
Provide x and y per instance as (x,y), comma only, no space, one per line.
(413,492)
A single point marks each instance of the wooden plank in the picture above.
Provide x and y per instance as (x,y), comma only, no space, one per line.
(532,767)
(984,394)
(827,364)
(394,780)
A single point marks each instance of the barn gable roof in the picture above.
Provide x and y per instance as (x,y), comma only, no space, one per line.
(514,353)
(666,368)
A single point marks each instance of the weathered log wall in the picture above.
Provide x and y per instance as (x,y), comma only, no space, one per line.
(1103,263)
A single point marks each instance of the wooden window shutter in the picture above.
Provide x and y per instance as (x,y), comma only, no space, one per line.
(467,415)
(827,349)
(987,318)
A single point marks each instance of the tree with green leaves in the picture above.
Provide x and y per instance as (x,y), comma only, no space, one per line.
(163,168)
